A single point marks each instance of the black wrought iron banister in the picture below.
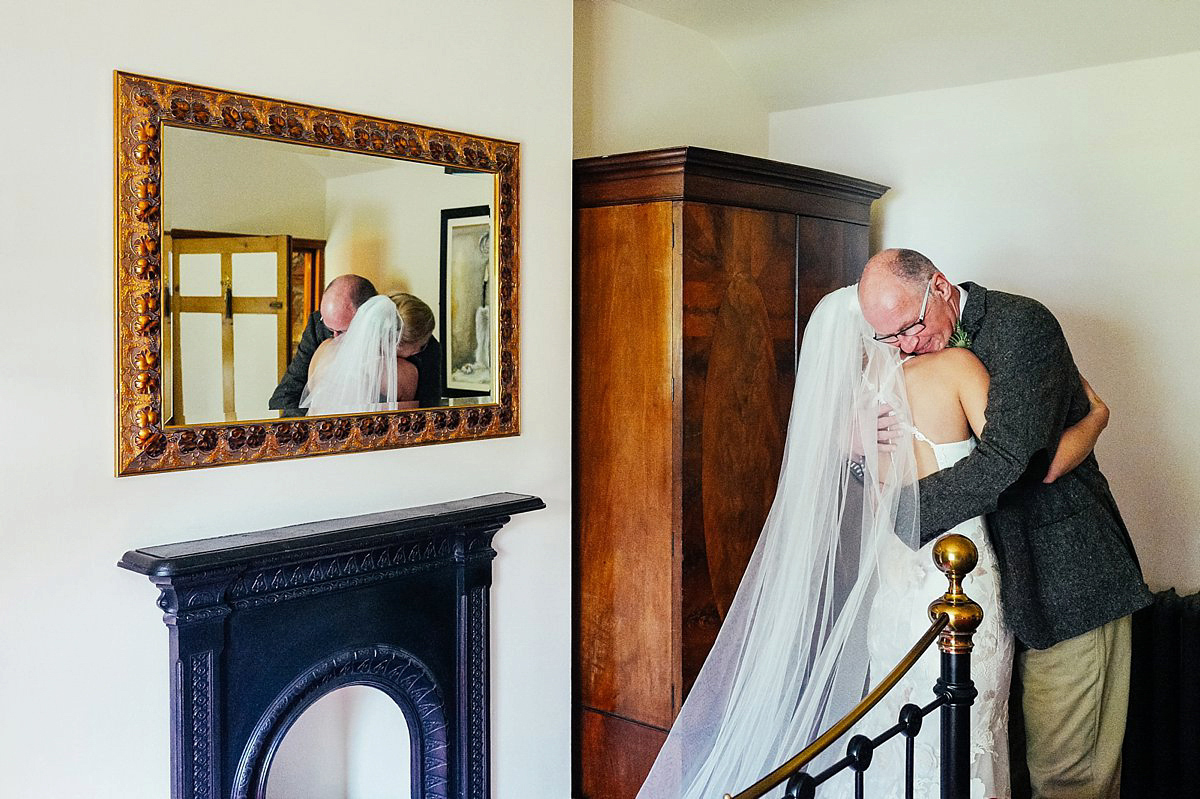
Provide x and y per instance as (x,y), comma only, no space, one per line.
(826,739)
(955,618)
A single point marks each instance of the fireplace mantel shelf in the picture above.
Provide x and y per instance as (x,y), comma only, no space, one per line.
(317,539)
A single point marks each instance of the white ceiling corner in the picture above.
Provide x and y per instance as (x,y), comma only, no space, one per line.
(798,53)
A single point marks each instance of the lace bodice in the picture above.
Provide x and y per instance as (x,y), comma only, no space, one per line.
(908,582)
(946,454)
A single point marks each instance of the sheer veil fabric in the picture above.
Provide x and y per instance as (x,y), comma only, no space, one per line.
(361,373)
(791,657)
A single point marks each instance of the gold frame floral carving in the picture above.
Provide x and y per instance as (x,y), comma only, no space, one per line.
(144,444)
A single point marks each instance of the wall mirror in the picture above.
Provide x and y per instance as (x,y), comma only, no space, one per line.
(233,212)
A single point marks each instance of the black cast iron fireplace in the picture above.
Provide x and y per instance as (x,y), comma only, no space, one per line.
(263,624)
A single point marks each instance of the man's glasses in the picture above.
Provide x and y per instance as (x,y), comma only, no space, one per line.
(916,327)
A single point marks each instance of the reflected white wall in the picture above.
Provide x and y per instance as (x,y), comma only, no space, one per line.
(239,185)
(386,225)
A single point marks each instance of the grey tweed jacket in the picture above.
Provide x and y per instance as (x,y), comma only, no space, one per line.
(1065,559)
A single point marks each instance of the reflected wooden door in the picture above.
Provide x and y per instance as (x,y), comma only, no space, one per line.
(228,301)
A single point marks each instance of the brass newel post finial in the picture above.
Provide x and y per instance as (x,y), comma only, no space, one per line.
(955,556)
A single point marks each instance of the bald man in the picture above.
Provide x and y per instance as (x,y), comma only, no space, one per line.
(339,302)
(1069,577)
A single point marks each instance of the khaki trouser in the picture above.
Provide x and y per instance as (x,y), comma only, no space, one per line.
(1075,697)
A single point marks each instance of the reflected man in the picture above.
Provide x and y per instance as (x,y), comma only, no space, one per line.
(341,300)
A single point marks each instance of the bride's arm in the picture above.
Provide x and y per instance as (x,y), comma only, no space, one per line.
(1080,438)
(1077,441)
(407,378)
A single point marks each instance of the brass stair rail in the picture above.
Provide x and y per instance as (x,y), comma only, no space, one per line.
(822,743)
(955,617)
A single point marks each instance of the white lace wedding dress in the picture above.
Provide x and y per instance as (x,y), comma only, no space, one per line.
(908,582)
(832,591)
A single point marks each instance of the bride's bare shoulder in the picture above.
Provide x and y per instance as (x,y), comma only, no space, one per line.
(953,364)
(321,354)
(950,359)
(407,379)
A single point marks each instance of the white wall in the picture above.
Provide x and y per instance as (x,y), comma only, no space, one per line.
(83,661)
(352,743)
(642,83)
(1080,189)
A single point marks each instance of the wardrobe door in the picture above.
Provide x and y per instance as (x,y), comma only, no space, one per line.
(627,504)
(739,348)
(830,254)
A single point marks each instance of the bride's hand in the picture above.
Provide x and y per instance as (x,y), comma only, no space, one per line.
(1079,439)
(1098,405)
(886,428)
(886,433)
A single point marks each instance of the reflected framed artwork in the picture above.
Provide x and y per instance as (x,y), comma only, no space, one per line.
(466,301)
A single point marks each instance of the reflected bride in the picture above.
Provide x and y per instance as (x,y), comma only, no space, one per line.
(364,368)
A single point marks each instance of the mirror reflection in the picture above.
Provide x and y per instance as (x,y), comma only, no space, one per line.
(352,743)
(272,250)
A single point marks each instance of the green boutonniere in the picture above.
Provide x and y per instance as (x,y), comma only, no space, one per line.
(959,337)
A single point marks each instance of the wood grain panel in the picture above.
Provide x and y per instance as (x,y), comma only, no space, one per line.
(627,472)
(739,333)
(742,436)
(629,751)
(831,255)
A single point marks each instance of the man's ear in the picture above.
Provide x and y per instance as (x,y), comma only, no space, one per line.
(942,286)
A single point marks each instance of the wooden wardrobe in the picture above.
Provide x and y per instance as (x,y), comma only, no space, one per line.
(695,273)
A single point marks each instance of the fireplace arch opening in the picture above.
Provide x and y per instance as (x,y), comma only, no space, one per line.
(395,672)
(353,742)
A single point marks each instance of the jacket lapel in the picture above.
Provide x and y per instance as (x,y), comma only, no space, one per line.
(972,314)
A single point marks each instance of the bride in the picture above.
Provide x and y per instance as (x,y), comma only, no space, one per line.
(365,368)
(831,598)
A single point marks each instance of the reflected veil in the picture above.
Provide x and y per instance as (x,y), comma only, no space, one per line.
(362,372)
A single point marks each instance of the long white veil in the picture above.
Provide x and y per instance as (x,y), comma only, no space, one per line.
(362,372)
(791,657)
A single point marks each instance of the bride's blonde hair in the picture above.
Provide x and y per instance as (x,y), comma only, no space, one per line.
(415,316)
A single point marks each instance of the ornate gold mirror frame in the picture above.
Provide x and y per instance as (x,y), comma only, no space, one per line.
(145,443)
